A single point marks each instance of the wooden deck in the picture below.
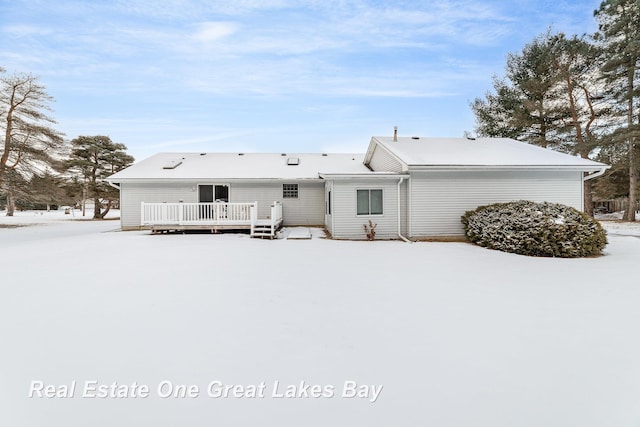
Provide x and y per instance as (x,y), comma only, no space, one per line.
(214,217)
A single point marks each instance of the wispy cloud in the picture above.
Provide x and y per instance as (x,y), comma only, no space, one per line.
(208,32)
(26,30)
(255,50)
(191,58)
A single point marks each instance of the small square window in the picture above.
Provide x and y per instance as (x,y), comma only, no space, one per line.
(369,202)
(289,191)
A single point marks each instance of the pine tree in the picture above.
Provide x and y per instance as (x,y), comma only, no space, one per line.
(547,98)
(576,61)
(95,158)
(619,33)
(47,189)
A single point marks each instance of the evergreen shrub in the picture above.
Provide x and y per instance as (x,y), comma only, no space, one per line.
(536,229)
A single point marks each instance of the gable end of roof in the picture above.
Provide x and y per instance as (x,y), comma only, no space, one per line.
(377,144)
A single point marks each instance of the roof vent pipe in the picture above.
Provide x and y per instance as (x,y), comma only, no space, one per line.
(395,134)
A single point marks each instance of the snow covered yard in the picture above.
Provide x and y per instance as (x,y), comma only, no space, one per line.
(457,335)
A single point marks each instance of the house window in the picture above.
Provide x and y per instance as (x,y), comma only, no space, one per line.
(369,202)
(289,191)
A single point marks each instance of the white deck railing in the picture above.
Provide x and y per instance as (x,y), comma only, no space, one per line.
(276,214)
(200,213)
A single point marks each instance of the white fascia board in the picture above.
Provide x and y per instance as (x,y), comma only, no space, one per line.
(376,143)
(370,150)
(423,168)
(389,151)
(191,180)
(336,176)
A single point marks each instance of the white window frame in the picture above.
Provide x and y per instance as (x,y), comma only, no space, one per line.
(292,192)
(369,190)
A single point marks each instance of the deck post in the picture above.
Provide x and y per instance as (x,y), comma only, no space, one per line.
(276,216)
(141,213)
(273,216)
(254,217)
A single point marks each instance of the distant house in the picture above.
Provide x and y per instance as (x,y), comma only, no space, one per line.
(411,187)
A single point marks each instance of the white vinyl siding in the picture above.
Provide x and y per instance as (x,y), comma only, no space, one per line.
(132,195)
(307,209)
(440,198)
(347,224)
(382,161)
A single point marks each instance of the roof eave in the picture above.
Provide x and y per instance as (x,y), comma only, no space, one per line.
(387,149)
(581,168)
(370,175)
(208,179)
(370,150)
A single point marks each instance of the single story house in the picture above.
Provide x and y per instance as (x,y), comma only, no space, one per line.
(411,187)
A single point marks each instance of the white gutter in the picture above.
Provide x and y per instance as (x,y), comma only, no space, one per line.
(113,185)
(595,174)
(422,168)
(399,217)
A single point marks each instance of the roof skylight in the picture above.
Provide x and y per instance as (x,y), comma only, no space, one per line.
(172,164)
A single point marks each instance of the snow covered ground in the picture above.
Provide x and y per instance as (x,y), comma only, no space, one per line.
(612,222)
(456,335)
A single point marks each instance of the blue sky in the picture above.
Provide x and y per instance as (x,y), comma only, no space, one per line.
(270,75)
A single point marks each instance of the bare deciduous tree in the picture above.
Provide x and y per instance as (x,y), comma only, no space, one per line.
(30,142)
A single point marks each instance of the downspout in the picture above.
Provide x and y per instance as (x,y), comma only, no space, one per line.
(333,207)
(595,174)
(586,178)
(116,186)
(399,217)
(113,185)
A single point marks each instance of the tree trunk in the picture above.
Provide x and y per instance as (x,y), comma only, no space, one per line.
(7,145)
(588,199)
(588,185)
(630,213)
(581,145)
(84,199)
(97,209)
(106,210)
(11,203)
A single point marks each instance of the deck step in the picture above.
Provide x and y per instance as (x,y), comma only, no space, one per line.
(263,231)
(266,230)
(262,235)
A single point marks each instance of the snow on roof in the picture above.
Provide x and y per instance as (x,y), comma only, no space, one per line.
(242,166)
(420,151)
